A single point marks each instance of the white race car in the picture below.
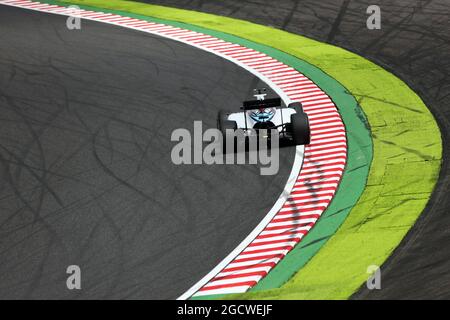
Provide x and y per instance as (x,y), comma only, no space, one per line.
(291,122)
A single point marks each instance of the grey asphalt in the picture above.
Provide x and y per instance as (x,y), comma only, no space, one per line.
(414,44)
(86,176)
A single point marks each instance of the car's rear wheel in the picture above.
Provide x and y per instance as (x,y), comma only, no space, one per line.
(300,128)
(223,123)
(227,127)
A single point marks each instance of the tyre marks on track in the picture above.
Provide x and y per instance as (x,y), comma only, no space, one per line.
(314,186)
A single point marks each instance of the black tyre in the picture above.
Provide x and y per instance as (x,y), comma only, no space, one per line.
(300,128)
(223,124)
(297,106)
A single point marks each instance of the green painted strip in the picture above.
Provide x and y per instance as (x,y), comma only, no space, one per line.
(407,152)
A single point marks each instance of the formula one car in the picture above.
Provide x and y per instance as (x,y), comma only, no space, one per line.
(291,122)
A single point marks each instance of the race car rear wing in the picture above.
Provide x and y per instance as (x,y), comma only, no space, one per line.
(258,104)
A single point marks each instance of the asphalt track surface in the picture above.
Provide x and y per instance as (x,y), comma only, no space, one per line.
(86,175)
(414,44)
